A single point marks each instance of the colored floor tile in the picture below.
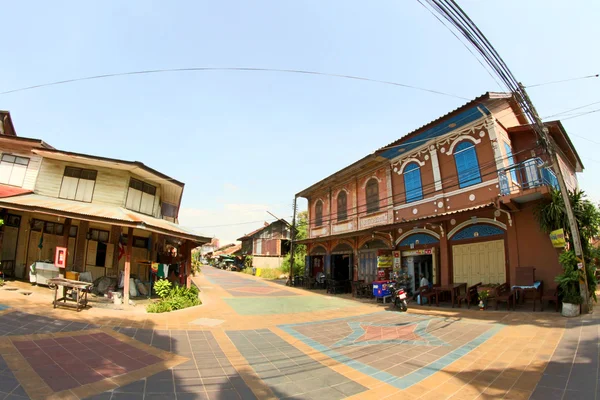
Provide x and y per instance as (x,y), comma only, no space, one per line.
(397,348)
(286,305)
(19,323)
(207,374)
(243,286)
(289,372)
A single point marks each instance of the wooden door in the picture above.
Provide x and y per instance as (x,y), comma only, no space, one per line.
(479,262)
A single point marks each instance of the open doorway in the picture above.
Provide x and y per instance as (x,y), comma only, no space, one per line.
(417,265)
(341,267)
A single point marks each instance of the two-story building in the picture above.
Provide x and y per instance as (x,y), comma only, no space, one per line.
(268,244)
(453,200)
(105,211)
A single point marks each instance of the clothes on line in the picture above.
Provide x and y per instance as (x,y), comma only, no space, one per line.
(161,270)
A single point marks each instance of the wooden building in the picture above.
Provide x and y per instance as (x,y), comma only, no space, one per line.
(268,244)
(453,199)
(92,205)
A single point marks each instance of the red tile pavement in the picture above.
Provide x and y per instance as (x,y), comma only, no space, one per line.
(66,363)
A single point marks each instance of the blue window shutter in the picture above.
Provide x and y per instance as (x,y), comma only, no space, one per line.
(467,165)
(412,183)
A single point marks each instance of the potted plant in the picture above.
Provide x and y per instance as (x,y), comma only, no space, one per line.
(484,295)
(568,284)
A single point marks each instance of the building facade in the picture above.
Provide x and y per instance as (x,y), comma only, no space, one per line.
(92,205)
(268,244)
(453,200)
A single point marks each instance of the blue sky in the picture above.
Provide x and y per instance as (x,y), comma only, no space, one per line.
(246,142)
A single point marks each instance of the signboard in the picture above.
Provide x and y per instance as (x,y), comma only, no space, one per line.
(60,257)
(558,238)
(384,261)
(397,261)
(417,252)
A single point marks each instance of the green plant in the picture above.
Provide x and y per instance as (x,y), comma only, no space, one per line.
(174,298)
(484,295)
(568,281)
(248,262)
(1,282)
(162,288)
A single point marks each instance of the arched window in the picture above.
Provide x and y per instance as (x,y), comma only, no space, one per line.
(372,192)
(342,206)
(467,165)
(319,213)
(412,182)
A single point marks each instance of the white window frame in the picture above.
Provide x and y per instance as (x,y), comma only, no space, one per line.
(78,184)
(141,189)
(13,172)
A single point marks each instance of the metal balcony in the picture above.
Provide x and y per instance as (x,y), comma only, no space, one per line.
(529,174)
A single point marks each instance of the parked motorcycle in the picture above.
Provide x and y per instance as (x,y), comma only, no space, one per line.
(399,296)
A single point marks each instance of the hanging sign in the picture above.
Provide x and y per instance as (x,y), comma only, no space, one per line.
(558,238)
(60,257)
(384,261)
(397,261)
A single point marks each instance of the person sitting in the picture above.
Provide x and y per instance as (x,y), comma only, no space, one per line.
(424,281)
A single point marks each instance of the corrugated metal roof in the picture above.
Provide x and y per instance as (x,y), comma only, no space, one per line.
(8,191)
(97,212)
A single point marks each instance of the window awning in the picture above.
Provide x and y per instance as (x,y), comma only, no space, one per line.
(99,213)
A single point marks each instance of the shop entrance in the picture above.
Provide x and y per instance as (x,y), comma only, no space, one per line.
(341,267)
(418,262)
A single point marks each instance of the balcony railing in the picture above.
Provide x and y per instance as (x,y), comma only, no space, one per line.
(526,175)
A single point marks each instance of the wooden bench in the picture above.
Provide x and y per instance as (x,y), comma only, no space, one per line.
(426,293)
(552,295)
(469,296)
(505,294)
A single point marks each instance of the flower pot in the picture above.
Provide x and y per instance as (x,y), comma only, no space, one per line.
(570,310)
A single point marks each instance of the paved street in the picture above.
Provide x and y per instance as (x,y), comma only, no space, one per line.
(256,339)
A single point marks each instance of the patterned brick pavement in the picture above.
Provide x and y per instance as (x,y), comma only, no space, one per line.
(253,339)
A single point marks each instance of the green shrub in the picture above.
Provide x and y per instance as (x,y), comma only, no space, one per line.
(1,282)
(173,298)
(162,288)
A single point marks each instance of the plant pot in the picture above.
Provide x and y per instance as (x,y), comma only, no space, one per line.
(570,310)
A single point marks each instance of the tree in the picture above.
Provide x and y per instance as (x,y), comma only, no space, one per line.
(299,249)
(551,215)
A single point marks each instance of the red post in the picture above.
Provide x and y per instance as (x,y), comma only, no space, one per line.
(127,271)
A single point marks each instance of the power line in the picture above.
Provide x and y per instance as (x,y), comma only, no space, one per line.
(563,80)
(582,114)
(426,190)
(572,109)
(244,69)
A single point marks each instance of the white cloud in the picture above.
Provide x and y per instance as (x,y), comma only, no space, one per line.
(231,220)
(230,187)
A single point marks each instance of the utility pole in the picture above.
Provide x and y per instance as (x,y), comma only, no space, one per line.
(549,145)
(293,237)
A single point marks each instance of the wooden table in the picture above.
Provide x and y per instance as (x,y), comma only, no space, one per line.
(81,290)
(453,288)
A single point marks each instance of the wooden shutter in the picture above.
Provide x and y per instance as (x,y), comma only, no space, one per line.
(68,189)
(134,198)
(91,252)
(85,190)
(5,170)
(412,184)
(147,206)
(110,251)
(17,175)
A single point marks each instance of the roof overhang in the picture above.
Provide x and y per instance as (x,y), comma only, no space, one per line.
(465,114)
(559,134)
(99,213)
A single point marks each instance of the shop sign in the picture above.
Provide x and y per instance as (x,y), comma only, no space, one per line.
(558,238)
(417,252)
(384,261)
(397,261)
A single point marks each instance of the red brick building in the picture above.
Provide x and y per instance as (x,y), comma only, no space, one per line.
(453,199)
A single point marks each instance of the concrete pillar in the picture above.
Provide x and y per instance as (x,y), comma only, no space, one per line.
(445,270)
(512,246)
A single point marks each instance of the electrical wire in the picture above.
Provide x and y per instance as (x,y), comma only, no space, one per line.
(582,114)
(571,109)
(427,189)
(244,69)
(563,80)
